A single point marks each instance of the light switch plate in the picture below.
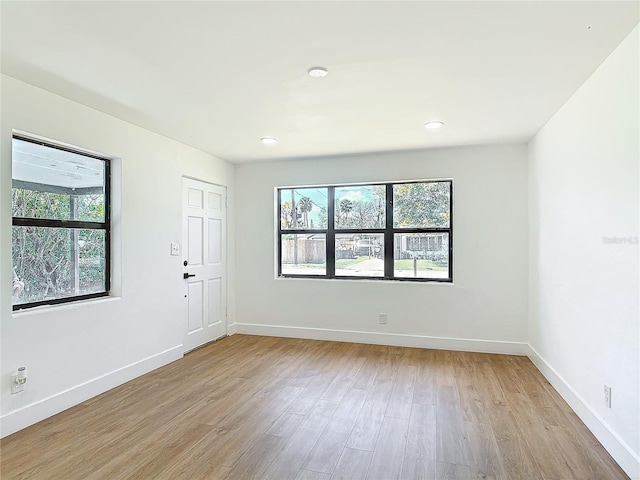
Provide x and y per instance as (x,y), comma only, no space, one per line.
(175,249)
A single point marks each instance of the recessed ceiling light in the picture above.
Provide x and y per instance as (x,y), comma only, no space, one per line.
(318,72)
(433,125)
(269,140)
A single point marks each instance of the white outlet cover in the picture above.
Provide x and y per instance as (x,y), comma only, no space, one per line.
(16,387)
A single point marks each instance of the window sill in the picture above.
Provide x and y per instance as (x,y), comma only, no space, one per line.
(367,280)
(64,306)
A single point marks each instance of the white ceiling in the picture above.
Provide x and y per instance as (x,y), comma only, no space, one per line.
(219,75)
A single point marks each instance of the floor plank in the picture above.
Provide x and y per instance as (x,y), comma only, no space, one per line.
(386,463)
(402,393)
(254,461)
(290,459)
(420,452)
(353,465)
(452,442)
(365,431)
(450,471)
(309,475)
(326,453)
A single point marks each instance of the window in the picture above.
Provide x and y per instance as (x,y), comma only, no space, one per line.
(429,242)
(61,232)
(392,231)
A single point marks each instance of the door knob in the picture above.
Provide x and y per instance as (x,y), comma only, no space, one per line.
(187,275)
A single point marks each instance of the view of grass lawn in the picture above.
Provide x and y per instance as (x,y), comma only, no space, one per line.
(342,263)
(345,262)
(305,265)
(407,264)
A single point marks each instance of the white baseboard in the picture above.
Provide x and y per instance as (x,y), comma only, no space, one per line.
(628,460)
(35,412)
(376,338)
(232,329)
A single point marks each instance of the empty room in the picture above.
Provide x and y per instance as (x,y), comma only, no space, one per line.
(316,240)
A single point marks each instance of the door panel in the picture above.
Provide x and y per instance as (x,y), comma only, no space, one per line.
(194,243)
(204,240)
(215,244)
(195,197)
(215,301)
(195,319)
(215,201)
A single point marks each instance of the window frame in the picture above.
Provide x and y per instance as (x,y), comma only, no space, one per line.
(70,224)
(388,232)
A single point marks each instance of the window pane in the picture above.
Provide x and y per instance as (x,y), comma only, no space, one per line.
(53,263)
(304,254)
(360,255)
(49,183)
(57,206)
(421,255)
(360,207)
(421,205)
(310,206)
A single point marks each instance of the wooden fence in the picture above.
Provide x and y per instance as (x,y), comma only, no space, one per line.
(304,250)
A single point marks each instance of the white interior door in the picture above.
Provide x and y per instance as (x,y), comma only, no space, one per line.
(204,260)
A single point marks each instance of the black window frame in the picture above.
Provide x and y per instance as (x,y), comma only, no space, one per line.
(389,232)
(69,224)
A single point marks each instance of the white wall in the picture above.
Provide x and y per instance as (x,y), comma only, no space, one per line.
(76,351)
(584,317)
(485,309)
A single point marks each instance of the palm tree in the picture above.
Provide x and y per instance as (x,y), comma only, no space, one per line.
(305,205)
(345,207)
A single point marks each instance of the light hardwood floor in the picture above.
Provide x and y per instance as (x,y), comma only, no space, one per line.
(273,408)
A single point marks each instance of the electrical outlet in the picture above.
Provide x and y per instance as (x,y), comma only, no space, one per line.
(15,386)
(607,396)
(382,318)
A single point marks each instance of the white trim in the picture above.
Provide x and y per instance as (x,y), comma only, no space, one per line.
(393,339)
(190,177)
(72,305)
(622,453)
(232,329)
(45,408)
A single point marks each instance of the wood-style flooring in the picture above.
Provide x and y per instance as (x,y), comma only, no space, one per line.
(249,407)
